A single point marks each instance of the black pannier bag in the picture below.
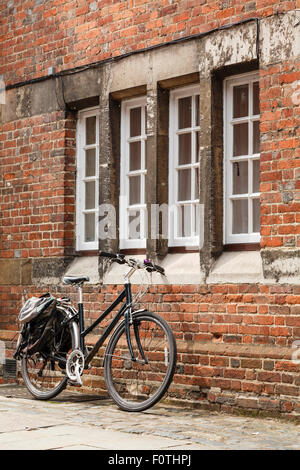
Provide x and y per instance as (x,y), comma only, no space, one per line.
(37,334)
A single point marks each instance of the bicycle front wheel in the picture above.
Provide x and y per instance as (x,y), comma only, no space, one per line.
(138,384)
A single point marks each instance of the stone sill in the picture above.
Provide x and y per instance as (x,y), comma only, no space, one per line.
(180,268)
(236,267)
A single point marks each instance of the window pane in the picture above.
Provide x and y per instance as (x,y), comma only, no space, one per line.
(89,227)
(240,139)
(134,225)
(197,137)
(240,178)
(90,162)
(240,101)
(197,186)
(184,220)
(197,117)
(256,177)
(184,185)
(90,193)
(185,112)
(240,216)
(256,215)
(135,156)
(196,209)
(134,190)
(256,137)
(184,153)
(90,130)
(135,121)
(255,98)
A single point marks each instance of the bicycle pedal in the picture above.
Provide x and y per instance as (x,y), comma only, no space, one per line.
(74,384)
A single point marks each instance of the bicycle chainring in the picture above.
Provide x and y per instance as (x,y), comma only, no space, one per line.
(75,366)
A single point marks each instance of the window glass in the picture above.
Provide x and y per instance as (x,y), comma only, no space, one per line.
(135,122)
(255,98)
(240,216)
(135,156)
(240,177)
(185,149)
(185,112)
(240,101)
(256,137)
(89,231)
(90,162)
(256,175)
(91,130)
(90,193)
(240,139)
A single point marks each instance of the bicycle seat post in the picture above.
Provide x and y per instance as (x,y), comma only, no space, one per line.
(81,318)
(79,294)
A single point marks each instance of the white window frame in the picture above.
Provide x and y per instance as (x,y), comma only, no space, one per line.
(229,83)
(124,241)
(81,244)
(174,239)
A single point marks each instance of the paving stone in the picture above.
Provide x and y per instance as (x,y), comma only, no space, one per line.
(75,422)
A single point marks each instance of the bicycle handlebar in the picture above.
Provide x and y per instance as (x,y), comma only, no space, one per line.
(115,256)
(146,264)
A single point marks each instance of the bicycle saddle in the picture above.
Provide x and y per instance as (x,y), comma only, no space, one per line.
(75,279)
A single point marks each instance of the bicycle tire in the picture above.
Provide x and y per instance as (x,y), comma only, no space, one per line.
(122,374)
(51,381)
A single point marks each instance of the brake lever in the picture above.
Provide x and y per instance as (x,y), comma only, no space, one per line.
(153,267)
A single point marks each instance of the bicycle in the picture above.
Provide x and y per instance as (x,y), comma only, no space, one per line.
(139,359)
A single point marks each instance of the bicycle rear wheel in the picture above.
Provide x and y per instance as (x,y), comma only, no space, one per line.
(43,376)
(136,385)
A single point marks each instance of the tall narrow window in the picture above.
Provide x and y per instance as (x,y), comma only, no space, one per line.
(87,180)
(133,174)
(242,159)
(184,167)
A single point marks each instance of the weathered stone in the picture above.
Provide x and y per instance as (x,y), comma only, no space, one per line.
(279,264)
(49,270)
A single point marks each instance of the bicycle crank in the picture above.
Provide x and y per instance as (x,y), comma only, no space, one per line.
(75,366)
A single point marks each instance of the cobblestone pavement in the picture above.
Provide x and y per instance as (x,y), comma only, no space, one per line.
(74,421)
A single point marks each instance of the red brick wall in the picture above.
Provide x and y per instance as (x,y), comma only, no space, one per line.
(38,35)
(234,342)
(280,163)
(37,187)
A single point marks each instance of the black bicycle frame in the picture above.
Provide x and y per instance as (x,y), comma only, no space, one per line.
(126,308)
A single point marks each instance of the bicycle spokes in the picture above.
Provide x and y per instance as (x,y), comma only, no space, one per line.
(138,383)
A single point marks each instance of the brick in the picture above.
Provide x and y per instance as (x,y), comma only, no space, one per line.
(287,390)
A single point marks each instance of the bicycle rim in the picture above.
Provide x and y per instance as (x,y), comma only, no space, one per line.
(138,385)
(43,377)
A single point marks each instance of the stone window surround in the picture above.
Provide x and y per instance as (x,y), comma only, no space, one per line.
(155,74)
(184,267)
